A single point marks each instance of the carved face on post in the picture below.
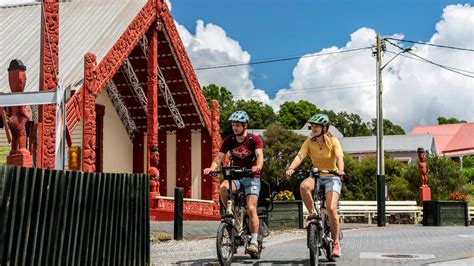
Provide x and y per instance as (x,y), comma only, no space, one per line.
(17,76)
(154,157)
(421,155)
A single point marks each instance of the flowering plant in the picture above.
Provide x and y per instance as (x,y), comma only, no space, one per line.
(285,195)
(458,196)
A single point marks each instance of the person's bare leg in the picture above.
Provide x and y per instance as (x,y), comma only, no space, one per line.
(306,188)
(331,206)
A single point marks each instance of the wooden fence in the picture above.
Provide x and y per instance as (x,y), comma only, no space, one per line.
(50,217)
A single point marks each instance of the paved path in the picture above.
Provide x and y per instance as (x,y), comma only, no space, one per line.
(365,245)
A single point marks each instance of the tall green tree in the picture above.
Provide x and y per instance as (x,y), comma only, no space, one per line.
(261,115)
(389,128)
(452,120)
(350,124)
(293,115)
(221,94)
(280,147)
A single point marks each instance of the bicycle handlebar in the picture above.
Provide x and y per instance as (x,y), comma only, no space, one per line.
(316,172)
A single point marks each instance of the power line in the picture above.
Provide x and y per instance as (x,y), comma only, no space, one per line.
(343,86)
(281,59)
(430,44)
(416,59)
(433,63)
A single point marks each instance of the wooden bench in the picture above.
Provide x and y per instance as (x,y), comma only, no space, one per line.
(368,209)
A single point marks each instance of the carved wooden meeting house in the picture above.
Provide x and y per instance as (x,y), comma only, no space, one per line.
(136,104)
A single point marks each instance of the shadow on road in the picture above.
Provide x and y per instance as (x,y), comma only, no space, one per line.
(246,260)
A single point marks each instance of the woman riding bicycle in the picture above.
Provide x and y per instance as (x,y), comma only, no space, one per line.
(325,153)
(247,151)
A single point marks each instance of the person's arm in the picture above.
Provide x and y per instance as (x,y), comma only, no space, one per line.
(215,163)
(258,167)
(296,162)
(340,164)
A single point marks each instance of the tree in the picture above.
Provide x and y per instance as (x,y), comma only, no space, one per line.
(221,94)
(294,115)
(452,120)
(443,176)
(280,147)
(389,128)
(350,125)
(261,115)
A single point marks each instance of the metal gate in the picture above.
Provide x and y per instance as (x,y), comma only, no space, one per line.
(50,217)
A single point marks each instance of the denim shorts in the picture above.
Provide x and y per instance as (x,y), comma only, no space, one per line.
(330,183)
(251,185)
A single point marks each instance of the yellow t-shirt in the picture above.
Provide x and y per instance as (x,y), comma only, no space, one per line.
(322,157)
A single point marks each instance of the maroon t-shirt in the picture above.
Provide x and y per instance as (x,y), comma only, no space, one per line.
(243,154)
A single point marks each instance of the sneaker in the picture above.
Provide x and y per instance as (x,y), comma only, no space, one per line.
(336,250)
(252,248)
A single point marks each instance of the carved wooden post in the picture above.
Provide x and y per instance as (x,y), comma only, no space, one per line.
(89,115)
(49,68)
(216,144)
(425,191)
(152,115)
(17,117)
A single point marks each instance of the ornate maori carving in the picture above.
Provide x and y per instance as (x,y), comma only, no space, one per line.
(216,144)
(185,66)
(17,118)
(152,115)
(112,61)
(134,83)
(121,109)
(89,115)
(165,91)
(189,207)
(49,67)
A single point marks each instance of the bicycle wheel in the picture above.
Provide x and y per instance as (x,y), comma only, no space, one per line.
(314,236)
(328,245)
(225,243)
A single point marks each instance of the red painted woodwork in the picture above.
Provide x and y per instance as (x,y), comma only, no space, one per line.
(114,58)
(89,114)
(49,67)
(17,117)
(206,160)
(216,144)
(183,161)
(163,162)
(425,190)
(152,115)
(191,211)
(99,148)
(185,63)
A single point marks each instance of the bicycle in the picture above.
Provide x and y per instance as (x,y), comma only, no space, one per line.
(234,230)
(319,235)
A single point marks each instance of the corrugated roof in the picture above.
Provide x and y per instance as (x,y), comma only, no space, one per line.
(392,143)
(450,137)
(85,26)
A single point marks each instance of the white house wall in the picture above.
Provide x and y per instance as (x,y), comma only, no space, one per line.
(171,164)
(118,149)
(196,165)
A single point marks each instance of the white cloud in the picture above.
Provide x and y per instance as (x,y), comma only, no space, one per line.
(415,93)
(210,46)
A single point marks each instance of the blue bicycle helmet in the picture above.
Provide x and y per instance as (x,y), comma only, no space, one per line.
(239,117)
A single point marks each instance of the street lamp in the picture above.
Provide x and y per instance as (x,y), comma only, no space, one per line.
(381,189)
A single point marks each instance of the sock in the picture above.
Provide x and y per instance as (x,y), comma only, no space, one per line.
(254,238)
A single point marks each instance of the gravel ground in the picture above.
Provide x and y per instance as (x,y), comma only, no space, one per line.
(172,252)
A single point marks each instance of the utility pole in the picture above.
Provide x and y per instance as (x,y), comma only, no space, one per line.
(381,221)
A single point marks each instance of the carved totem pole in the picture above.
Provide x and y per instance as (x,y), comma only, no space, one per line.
(425,191)
(17,118)
(216,144)
(154,176)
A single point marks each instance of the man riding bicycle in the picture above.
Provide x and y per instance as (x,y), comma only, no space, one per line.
(247,151)
(325,153)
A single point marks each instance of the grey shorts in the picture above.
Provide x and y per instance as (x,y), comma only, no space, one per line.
(251,185)
(330,183)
